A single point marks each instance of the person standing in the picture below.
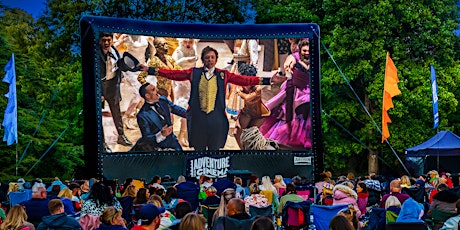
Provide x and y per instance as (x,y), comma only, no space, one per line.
(111,67)
(207,122)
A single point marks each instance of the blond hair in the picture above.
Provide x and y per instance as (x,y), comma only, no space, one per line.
(66,193)
(15,219)
(109,214)
(405,181)
(130,191)
(192,221)
(156,200)
(279,179)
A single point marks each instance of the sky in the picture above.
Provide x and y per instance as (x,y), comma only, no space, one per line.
(34,7)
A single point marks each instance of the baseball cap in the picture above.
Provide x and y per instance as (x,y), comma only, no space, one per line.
(149,212)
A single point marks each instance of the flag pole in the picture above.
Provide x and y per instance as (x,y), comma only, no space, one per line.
(16,159)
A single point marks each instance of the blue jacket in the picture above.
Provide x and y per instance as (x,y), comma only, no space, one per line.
(59,221)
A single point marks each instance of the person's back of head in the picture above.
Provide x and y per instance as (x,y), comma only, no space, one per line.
(290,189)
(235,206)
(55,206)
(392,201)
(39,191)
(395,186)
(340,222)
(254,188)
(262,223)
(238,180)
(109,214)
(192,221)
(182,209)
(442,187)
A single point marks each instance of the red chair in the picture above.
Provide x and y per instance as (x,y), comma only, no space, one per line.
(304,194)
(296,215)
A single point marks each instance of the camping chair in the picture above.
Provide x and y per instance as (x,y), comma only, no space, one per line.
(405,226)
(296,215)
(226,223)
(208,213)
(323,214)
(438,217)
(18,197)
(263,211)
(417,193)
(304,194)
(376,219)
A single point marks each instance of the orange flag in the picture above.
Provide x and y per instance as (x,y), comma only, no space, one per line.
(390,89)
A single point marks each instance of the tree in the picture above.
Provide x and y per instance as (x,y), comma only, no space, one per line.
(358,34)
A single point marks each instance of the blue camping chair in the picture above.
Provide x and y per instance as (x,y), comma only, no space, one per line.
(323,214)
(18,197)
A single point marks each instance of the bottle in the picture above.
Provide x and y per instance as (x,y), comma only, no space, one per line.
(312,225)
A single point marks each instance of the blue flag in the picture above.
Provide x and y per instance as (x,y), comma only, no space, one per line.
(434,90)
(10,121)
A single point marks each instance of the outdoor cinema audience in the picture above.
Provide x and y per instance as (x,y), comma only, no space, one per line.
(102,210)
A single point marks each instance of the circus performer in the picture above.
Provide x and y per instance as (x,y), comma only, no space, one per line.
(164,61)
(206,120)
(186,57)
(254,111)
(290,122)
(247,53)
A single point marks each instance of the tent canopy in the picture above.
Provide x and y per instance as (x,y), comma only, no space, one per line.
(444,143)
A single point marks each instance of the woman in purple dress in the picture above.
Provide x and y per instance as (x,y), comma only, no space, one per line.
(289,123)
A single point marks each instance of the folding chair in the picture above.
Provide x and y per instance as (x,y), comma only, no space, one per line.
(296,215)
(208,213)
(227,223)
(263,211)
(18,197)
(439,217)
(304,194)
(323,214)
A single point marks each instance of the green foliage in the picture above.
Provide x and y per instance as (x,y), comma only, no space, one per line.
(358,34)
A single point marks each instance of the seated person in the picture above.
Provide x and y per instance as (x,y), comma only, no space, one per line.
(211,198)
(411,212)
(291,195)
(236,209)
(58,219)
(182,209)
(37,207)
(154,121)
(255,199)
(392,209)
(326,194)
(395,190)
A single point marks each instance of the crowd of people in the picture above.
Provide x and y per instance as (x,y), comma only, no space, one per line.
(430,200)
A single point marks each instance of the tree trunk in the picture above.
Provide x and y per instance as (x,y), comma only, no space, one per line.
(373,163)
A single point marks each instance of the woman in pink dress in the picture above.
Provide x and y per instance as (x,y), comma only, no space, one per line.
(290,122)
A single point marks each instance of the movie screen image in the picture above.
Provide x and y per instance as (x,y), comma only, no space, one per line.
(170,93)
